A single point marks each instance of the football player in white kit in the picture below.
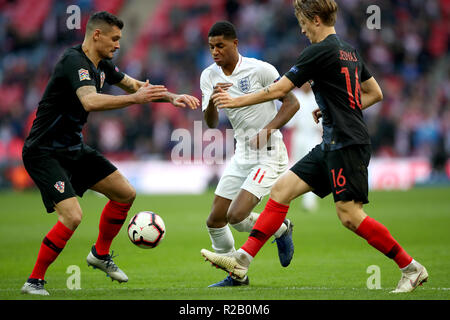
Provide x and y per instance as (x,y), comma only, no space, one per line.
(260,156)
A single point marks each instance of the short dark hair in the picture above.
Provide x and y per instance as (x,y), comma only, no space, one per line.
(103,17)
(223,28)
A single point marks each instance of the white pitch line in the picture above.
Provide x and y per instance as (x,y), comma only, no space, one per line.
(241,289)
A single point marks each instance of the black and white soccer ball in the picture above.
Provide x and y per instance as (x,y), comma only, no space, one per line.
(146,229)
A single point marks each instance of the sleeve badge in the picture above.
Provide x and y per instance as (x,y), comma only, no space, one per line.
(83,74)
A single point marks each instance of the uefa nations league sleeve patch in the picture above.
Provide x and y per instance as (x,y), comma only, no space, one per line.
(83,74)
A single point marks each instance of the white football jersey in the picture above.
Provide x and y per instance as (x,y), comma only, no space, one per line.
(248,76)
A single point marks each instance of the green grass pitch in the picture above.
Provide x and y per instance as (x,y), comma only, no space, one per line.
(330,262)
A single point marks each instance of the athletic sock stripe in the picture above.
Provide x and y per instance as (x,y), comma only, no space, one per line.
(393,252)
(258,234)
(51,245)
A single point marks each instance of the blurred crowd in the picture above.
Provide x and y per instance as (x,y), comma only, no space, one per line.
(408,55)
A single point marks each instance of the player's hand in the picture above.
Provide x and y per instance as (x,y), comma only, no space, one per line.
(317,114)
(185,100)
(148,93)
(222,99)
(260,140)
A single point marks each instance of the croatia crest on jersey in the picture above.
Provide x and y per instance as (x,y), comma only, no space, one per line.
(83,74)
(244,84)
(59,185)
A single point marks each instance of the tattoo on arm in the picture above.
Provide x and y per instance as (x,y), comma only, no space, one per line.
(267,89)
(128,84)
(84,91)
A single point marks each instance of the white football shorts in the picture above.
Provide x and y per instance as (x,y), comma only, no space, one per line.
(256,178)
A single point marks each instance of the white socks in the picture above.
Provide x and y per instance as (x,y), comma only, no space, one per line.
(222,240)
(410,264)
(282,229)
(243,257)
(247,224)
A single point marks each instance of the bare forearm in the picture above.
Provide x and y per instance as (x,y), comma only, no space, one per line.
(370,93)
(132,86)
(369,99)
(211,116)
(168,98)
(93,101)
(268,93)
(102,102)
(129,84)
(287,110)
(273,91)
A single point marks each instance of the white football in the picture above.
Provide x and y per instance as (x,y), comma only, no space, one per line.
(146,229)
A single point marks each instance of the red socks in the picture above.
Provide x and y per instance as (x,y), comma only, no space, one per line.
(378,236)
(111,220)
(113,216)
(269,221)
(53,243)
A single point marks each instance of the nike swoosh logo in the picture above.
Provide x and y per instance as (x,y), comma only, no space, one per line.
(414,284)
(342,190)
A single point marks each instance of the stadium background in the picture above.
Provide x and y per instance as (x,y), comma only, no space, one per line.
(166,41)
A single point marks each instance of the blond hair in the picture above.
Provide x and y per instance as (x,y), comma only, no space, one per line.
(325,9)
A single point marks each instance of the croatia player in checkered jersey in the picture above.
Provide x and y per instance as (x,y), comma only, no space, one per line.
(260,155)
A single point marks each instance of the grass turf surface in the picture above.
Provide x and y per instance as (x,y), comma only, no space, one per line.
(330,262)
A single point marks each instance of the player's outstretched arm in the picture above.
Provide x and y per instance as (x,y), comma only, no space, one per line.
(181,100)
(93,101)
(273,91)
(129,84)
(370,93)
(132,85)
(287,110)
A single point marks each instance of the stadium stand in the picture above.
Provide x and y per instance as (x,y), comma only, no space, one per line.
(409,56)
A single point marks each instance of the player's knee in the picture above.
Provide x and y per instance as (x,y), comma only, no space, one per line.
(76,219)
(214,221)
(278,193)
(131,195)
(210,222)
(69,213)
(275,192)
(234,216)
(72,220)
(346,217)
(348,223)
(127,196)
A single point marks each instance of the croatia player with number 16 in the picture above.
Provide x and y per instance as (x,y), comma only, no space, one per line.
(343,87)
